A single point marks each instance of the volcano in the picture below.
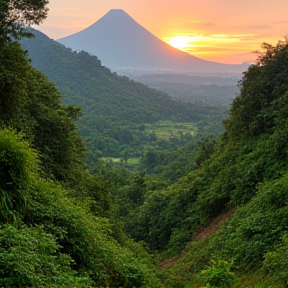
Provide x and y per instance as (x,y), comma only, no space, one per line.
(120,42)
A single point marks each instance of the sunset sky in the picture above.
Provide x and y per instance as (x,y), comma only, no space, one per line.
(225,31)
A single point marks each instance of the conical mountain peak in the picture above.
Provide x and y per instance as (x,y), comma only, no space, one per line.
(119,41)
(115,18)
(116,14)
(117,11)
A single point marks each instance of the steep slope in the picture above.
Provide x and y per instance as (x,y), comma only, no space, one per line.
(119,41)
(244,172)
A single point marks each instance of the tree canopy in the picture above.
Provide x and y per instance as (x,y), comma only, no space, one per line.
(17,15)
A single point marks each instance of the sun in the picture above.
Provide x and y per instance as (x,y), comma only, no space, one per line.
(179,42)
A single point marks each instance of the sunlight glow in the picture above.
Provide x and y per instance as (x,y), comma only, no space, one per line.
(179,42)
(216,47)
(227,27)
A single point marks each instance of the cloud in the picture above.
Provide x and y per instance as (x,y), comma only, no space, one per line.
(199,25)
(243,31)
(224,38)
(280,22)
(256,27)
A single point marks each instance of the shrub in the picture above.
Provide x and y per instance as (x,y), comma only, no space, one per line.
(18,164)
(219,274)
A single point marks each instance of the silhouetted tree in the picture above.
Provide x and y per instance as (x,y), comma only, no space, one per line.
(17,15)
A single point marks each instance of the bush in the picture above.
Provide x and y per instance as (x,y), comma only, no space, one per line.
(276,262)
(218,275)
(30,257)
(18,164)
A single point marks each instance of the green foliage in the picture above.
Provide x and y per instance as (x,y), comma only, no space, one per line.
(87,239)
(18,165)
(31,104)
(206,149)
(74,239)
(54,130)
(18,14)
(276,262)
(102,92)
(244,170)
(95,190)
(219,274)
(14,71)
(57,226)
(231,169)
(258,227)
(30,257)
(255,235)
(252,111)
(170,164)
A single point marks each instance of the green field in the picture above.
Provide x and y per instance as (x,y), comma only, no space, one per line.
(131,161)
(111,160)
(167,129)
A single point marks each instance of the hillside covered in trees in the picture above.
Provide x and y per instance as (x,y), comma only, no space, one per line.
(223,223)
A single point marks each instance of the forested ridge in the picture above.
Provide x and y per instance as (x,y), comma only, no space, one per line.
(99,91)
(211,214)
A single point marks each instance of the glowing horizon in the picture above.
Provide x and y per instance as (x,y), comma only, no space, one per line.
(226,31)
(204,46)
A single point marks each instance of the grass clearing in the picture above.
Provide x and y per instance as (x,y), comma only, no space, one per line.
(133,161)
(111,160)
(167,129)
(130,161)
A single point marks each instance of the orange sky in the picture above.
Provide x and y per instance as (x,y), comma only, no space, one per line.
(225,31)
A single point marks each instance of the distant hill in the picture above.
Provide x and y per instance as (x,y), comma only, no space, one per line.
(119,41)
(215,89)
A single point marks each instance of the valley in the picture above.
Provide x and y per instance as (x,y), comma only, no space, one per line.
(120,115)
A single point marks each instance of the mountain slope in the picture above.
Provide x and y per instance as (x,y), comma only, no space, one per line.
(86,83)
(119,41)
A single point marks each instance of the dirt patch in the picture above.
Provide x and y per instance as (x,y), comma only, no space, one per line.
(203,232)
(200,233)
(168,263)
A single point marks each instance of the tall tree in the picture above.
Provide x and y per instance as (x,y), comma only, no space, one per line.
(17,15)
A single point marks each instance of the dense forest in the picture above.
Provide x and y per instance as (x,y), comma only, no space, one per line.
(206,214)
